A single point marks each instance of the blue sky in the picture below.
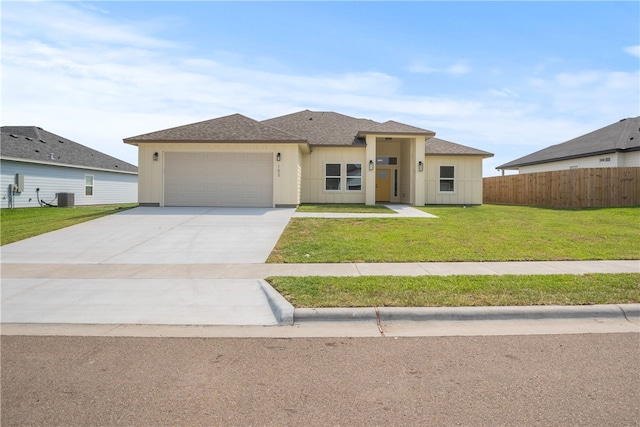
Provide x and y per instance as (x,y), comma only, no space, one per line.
(506,77)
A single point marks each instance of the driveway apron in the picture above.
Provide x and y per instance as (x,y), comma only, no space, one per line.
(147,235)
(145,239)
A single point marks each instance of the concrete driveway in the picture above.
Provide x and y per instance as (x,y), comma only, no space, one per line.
(135,245)
(148,235)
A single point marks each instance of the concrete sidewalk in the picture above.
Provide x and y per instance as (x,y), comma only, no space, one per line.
(235,294)
(261,271)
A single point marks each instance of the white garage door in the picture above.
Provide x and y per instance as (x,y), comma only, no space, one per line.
(218,179)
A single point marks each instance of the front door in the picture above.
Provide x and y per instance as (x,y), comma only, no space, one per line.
(383,185)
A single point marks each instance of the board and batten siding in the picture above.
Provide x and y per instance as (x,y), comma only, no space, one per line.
(313,174)
(468,180)
(285,172)
(108,187)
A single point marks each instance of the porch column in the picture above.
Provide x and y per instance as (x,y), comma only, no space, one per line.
(418,176)
(370,175)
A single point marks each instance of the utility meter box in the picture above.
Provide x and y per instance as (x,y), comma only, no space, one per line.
(19,183)
(66,200)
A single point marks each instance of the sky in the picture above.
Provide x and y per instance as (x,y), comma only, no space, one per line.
(508,77)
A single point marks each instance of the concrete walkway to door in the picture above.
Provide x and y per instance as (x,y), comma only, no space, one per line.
(400,211)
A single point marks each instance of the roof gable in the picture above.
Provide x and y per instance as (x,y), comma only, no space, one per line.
(397,128)
(620,136)
(437,146)
(38,145)
(235,127)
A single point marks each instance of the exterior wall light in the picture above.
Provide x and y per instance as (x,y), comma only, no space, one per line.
(155,156)
(420,166)
(370,165)
(278,157)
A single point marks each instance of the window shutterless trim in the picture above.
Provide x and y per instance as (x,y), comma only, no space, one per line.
(88,187)
(448,180)
(337,177)
(354,178)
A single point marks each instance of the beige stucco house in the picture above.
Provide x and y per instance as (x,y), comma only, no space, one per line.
(305,157)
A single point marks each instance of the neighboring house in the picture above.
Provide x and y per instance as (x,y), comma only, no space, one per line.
(305,157)
(616,145)
(37,165)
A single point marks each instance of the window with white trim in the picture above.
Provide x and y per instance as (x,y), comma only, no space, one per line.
(447,179)
(88,185)
(354,176)
(332,176)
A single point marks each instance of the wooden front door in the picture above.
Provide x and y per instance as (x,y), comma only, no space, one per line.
(383,185)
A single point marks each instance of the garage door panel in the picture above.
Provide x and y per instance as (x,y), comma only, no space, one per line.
(219,179)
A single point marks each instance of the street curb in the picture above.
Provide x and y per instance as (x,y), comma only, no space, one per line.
(281,308)
(627,312)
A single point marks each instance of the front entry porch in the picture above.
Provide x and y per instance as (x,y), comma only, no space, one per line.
(395,170)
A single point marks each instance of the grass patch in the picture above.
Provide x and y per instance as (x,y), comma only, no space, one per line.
(344,208)
(459,291)
(483,233)
(22,223)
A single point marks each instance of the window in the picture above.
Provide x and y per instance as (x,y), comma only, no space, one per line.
(354,176)
(332,176)
(387,160)
(447,179)
(88,185)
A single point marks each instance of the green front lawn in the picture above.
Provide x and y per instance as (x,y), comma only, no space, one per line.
(458,291)
(22,223)
(483,233)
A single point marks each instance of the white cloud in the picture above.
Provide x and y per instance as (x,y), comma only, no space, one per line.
(455,69)
(502,93)
(633,50)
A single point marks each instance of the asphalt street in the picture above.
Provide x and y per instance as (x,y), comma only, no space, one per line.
(582,379)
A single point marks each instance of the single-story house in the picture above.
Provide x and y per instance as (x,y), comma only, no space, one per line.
(37,166)
(304,157)
(616,145)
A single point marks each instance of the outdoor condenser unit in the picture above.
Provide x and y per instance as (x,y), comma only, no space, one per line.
(66,200)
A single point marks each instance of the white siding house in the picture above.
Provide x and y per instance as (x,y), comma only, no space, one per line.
(36,166)
(616,145)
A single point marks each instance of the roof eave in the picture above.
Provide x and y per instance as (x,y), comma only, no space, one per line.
(211,141)
(339,145)
(483,155)
(361,133)
(66,165)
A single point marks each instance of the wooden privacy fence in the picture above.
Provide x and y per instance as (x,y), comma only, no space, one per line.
(572,188)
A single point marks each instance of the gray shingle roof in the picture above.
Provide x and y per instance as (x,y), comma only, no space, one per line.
(320,128)
(329,128)
(622,136)
(235,127)
(397,128)
(36,144)
(437,146)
